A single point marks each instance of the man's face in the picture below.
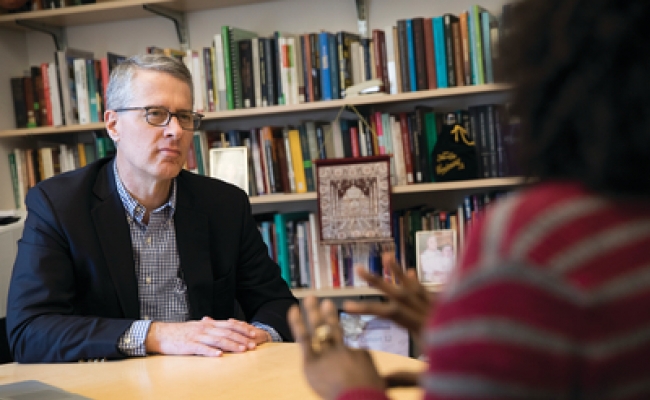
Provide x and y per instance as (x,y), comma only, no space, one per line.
(150,153)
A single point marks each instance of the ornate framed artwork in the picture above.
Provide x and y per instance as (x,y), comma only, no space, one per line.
(354,199)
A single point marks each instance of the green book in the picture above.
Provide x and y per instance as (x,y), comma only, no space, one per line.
(431,137)
(230,36)
(282,243)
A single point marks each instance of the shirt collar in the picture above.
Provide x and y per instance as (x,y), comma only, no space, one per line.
(133,208)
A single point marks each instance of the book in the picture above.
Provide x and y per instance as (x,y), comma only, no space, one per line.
(67,84)
(230,36)
(297,161)
(448,21)
(81,83)
(280,221)
(20,104)
(344,41)
(440,51)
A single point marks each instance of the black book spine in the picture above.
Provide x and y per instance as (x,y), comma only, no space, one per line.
(492,146)
(306,73)
(264,89)
(420,56)
(320,139)
(315,65)
(246,73)
(20,104)
(449,49)
(278,69)
(403,55)
(271,71)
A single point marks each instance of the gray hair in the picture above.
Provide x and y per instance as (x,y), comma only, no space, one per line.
(119,90)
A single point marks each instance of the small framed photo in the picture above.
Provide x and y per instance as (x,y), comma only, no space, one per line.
(230,164)
(436,255)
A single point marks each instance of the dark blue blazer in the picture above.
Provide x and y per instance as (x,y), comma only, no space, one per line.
(74,291)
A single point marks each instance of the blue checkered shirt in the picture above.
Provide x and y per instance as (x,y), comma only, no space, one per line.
(161,288)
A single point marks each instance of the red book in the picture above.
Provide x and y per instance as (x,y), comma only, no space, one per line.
(105,74)
(381,146)
(47,107)
(334,262)
(354,141)
(429,54)
(406,145)
(381,61)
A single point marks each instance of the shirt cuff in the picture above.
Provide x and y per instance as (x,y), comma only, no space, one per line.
(131,342)
(363,394)
(275,336)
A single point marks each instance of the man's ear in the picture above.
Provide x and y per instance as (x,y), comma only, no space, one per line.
(110,122)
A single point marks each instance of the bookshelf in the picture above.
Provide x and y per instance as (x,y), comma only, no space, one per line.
(125,27)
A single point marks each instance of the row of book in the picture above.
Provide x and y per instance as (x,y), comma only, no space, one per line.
(281,159)
(37,5)
(293,242)
(69,91)
(243,69)
(28,166)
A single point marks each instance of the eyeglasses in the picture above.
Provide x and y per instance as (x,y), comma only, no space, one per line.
(160,116)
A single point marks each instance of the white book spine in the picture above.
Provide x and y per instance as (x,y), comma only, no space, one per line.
(81,83)
(398,151)
(57,116)
(221,72)
(21,170)
(198,78)
(285,74)
(257,80)
(337,136)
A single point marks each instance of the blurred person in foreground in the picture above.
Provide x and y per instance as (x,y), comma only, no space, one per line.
(551,298)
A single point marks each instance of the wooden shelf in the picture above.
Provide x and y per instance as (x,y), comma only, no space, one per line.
(490,183)
(248,113)
(420,188)
(348,292)
(108,11)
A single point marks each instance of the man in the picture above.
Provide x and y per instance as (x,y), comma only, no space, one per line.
(132,255)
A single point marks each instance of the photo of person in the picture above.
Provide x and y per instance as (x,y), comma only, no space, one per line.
(230,164)
(436,255)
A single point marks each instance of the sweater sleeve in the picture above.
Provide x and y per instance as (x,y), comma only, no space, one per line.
(363,394)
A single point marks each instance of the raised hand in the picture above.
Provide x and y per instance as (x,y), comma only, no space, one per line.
(206,337)
(409,302)
(330,366)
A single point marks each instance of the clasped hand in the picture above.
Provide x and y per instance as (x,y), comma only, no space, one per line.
(207,337)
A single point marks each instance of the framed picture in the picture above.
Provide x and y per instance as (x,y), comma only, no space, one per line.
(436,255)
(230,164)
(354,199)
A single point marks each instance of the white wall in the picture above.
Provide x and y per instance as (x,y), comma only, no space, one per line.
(133,36)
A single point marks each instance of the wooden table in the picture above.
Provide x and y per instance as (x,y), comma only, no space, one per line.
(273,371)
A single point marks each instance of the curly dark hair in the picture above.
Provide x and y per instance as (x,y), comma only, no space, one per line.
(581,71)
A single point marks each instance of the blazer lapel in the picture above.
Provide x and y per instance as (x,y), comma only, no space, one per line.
(193,244)
(115,238)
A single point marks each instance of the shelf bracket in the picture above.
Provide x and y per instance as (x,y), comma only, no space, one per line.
(57,33)
(179,19)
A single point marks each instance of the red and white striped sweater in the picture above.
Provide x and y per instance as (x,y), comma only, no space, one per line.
(550,301)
